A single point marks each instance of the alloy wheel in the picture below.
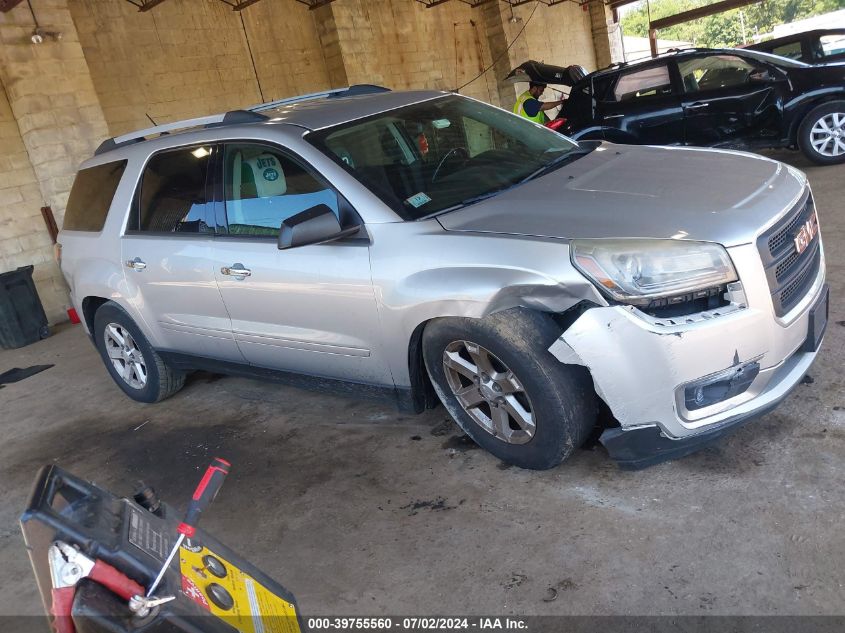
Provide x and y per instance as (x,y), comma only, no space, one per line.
(828,135)
(125,355)
(489,392)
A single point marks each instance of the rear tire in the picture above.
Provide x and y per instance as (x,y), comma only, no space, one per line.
(526,408)
(821,135)
(130,359)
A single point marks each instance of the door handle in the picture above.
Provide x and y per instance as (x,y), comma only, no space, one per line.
(697,106)
(136,264)
(236,270)
(613,116)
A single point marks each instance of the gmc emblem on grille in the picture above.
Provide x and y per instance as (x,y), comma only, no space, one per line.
(806,233)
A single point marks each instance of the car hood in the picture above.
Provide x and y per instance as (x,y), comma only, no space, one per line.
(645,192)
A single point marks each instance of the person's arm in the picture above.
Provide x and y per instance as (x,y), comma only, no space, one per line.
(548,105)
(533,107)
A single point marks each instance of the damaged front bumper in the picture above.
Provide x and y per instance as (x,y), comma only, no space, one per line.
(645,369)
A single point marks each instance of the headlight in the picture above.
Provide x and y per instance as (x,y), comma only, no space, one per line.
(637,271)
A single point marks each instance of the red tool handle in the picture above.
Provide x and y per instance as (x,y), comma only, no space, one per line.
(115,581)
(61,609)
(207,489)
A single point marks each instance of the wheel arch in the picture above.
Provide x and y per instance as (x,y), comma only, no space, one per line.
(423,395)
(805,107)
(90,305)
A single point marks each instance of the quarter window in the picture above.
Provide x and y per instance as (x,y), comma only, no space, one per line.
(264,187)
(91,196)
(792,50)
(714,72)
(173,192)
(830,45)
(649,82)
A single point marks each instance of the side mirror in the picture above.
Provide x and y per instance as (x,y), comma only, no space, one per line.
(316,225)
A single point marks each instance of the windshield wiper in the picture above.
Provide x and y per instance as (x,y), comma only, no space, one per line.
(572,154)
(557,162)
(473,200)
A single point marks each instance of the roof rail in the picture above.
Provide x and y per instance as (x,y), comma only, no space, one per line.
(336,93)
(233,117)
(673,51)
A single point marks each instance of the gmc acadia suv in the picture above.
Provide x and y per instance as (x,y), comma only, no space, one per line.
(427,245)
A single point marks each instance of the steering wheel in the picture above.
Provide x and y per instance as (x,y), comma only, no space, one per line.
(458,152)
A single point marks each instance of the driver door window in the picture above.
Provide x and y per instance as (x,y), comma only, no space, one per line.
(263,187)
(713,72)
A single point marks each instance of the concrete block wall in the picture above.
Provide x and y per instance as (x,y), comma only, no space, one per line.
(183,59)
(607,35)
(23,237)
(49,97)
(404,45)
(285,42)
(192,57)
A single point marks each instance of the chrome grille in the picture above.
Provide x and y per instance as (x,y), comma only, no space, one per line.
(788,272)
(790,294)
(785,233)
(786,264)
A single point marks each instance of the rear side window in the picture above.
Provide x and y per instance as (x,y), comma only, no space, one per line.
(173,193)
(650,82)
(91,196)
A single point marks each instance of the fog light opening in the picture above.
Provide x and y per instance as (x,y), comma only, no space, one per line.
(720,387)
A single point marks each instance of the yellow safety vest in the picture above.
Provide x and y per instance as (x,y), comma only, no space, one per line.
(540,117)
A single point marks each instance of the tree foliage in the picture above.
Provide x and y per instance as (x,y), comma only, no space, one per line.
(723,29)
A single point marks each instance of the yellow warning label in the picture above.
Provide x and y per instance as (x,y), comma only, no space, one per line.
(233,595)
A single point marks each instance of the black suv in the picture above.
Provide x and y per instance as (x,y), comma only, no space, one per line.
(822,46)
(713,97)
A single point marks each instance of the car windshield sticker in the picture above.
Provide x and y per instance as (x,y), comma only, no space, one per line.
(418,200)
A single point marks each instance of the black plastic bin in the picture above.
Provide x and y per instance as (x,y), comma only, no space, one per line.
(22,318)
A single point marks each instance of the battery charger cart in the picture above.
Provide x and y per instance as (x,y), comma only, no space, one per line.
(94,554)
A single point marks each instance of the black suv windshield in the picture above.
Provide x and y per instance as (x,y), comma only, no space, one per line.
(436,155)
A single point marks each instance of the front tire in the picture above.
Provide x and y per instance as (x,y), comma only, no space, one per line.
(130,359)
(821,135)
(499,382)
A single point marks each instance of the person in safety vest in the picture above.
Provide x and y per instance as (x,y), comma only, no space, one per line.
(529,105)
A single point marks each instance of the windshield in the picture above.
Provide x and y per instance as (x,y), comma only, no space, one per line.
(440,154)
(777,60)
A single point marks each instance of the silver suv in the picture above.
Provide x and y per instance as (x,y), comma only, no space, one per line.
(425,245)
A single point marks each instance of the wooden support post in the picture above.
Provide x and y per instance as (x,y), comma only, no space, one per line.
(50,221)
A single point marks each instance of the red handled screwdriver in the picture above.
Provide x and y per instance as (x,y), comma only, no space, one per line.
(207,489)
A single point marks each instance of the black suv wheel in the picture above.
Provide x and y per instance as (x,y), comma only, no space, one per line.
(822,133)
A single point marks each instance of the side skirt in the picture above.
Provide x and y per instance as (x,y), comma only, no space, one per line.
(402,397)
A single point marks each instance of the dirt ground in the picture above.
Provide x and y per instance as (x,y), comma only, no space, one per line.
(358,509)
